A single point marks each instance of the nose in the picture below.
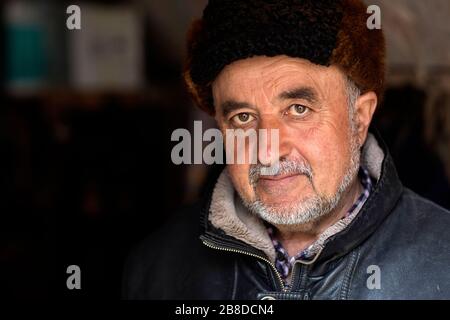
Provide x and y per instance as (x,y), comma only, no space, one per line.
(268,146)
(275,141)
(269,140)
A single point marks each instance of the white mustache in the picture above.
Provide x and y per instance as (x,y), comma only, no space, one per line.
(281,168)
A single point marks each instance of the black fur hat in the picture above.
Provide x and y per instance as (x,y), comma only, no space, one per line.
(325,32)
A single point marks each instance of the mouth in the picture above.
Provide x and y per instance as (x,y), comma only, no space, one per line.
(279,177)
(279,184)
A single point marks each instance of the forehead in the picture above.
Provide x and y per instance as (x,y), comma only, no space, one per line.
(274,74)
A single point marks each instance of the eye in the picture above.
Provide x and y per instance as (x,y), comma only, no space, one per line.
(298,110)
(242,118)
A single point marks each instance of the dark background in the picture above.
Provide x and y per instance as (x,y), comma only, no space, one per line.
(85,170)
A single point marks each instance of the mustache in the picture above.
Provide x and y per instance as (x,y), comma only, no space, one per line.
(283,167)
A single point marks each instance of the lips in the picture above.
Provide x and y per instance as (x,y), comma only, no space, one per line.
(279,177)
(278,185)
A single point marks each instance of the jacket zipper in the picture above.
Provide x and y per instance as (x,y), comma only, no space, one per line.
(210,245)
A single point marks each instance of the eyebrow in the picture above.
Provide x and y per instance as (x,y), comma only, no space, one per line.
(231,105)
(305,93)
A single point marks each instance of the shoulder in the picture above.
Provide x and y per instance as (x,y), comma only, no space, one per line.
(181,229)
(152,260)
(411,248)
(423,211)
(419,223)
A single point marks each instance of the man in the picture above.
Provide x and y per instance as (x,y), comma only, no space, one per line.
(324,217)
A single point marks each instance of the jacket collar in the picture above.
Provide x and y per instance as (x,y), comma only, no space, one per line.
(381,202)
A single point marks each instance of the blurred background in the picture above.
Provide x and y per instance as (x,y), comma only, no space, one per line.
(86,118)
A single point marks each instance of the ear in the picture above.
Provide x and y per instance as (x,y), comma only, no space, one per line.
(364,110)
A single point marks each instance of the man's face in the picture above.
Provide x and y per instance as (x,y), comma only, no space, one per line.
(318,152)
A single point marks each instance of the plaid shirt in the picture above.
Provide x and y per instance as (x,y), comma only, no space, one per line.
(284,263)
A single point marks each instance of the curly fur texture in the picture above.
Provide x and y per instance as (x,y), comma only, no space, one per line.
(325,32)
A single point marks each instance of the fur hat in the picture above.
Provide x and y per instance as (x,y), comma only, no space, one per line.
(325,32)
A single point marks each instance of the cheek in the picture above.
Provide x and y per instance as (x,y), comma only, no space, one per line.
(327,150)
(239,176)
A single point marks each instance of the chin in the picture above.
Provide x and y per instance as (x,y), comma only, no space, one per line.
(303,212)
(285,202)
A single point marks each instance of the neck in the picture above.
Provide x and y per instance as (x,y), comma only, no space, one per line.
(297,238)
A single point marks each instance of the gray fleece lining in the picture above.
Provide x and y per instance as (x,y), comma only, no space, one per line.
(228,213)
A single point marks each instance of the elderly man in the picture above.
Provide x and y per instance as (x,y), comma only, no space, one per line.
(331,220)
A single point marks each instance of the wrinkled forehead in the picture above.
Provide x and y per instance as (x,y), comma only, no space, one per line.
(271,75)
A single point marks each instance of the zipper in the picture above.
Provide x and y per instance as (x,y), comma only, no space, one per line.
(210,245)
(284,288)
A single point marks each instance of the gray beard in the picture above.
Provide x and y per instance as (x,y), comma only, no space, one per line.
(314,208)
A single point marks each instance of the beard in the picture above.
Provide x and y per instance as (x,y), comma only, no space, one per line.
(306,211)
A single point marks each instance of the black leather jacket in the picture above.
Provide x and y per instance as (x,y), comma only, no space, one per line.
(398,247)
